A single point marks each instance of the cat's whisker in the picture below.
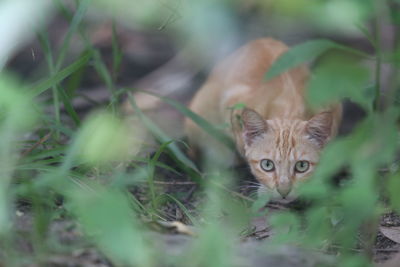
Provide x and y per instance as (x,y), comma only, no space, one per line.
(253,183)
(248,186)
(264,190)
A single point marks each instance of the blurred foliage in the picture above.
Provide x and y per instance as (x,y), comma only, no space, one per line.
(104,132)
(340,76)
(70,165)
(99,210)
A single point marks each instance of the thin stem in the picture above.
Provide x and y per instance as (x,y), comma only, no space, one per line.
(44,40)
(393,80)
(378,60)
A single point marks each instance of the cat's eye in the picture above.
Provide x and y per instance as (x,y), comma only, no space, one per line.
(302,166)
(267,165)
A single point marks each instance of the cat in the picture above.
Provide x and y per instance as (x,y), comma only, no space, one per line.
(278,135)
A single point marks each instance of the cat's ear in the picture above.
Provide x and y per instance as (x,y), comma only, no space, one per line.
(319,128)
(253,125)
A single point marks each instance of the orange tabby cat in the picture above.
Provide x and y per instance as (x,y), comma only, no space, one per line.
(278,135)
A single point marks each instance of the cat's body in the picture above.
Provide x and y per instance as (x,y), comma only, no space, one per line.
(277,128)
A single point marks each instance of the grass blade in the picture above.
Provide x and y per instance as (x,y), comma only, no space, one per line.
(161,136)
(151,172)
(116,52)
(61,75)
(182,207)
(201,122)
(74,26)
(68,106)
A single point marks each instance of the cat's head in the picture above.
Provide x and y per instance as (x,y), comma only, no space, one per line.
(282,153)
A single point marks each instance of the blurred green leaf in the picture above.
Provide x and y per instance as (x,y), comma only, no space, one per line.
(105,138)
(107,219)
(144,12)
(14,103)
(319,229)
(360,195)
(258,205)
(214,247)
(342,15)
(303,53)
(17,114)
(299,54)
(373,142)
(339,78)
(286,226)
(330,163)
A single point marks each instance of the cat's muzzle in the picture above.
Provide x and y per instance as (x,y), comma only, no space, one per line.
(284,189)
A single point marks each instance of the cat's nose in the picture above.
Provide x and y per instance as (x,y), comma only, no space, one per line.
(284,190)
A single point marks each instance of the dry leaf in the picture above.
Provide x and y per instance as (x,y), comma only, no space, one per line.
(393,233)
(179,227)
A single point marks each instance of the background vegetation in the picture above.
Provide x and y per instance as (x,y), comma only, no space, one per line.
(85,185)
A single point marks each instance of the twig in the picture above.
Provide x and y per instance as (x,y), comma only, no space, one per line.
(38,143)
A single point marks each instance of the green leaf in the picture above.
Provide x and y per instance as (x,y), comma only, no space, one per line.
(360,195)
(299,54)
(372,143)
(318,228)
(281,222)
(107,218)
(303,53)
(337,79)
(101,132)
(256,206)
